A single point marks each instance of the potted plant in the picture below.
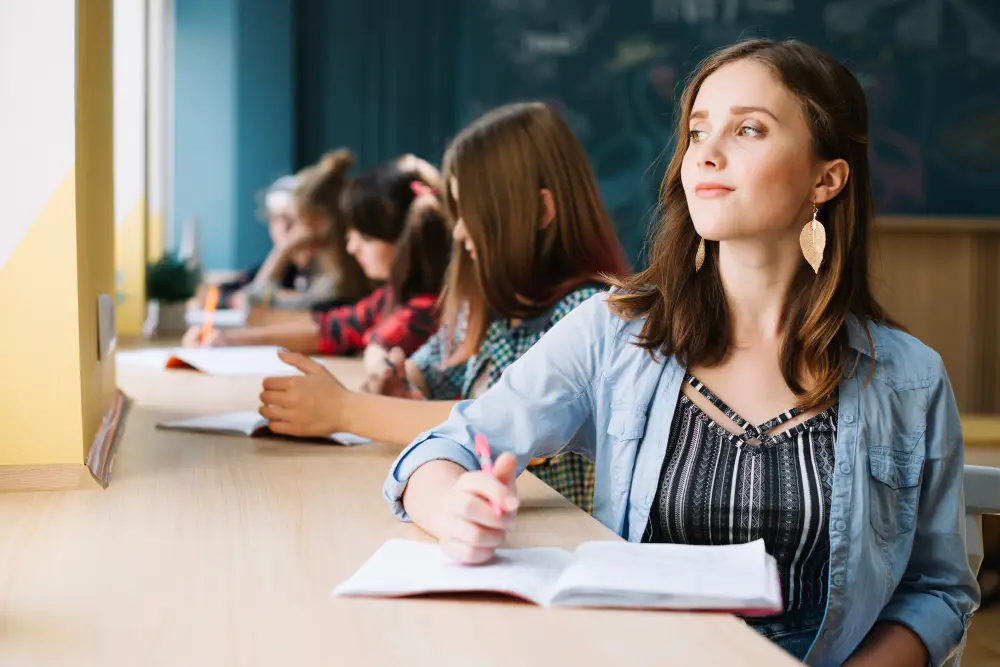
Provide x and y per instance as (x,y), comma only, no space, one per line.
(170,283)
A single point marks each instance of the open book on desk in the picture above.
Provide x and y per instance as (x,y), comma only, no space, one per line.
(250,424)
(739,578)
(222,361)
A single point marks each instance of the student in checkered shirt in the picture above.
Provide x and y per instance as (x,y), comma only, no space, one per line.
(398,233)
(533,241)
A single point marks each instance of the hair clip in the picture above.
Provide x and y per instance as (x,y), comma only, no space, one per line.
(420,189)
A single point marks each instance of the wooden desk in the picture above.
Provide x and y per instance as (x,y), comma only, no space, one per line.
(215,550)
(982,439)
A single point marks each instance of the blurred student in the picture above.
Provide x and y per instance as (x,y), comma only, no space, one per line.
(532,242)
(312,248)
(397,232)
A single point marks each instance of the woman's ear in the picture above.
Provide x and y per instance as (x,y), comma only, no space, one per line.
(832,180)
(548,208)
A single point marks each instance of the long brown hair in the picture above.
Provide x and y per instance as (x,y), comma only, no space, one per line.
(686,313)
(318,191)
(501,163)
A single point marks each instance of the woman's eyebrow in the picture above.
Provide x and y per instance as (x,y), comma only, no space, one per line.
(701,114)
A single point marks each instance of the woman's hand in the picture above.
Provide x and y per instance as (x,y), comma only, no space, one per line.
(302,237)
(470,530)
(215,338)
(392,380)
(239,300)
(304,405)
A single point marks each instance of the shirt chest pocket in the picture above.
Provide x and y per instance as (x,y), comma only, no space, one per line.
(627,422)
(626,428)
(894,487)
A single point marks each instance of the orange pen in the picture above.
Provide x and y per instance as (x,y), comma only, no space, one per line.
(211,303)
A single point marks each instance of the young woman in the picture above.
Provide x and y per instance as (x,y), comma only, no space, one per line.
(533,241)
(397,232)
(747,385)
(315,242)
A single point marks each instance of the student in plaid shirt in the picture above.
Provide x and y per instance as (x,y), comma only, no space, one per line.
(533,241)
(397,232)
(503,344)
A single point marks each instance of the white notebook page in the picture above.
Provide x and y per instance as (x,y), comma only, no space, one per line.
(405,567)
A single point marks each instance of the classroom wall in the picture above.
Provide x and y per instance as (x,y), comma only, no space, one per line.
(56,242)
(130,163)
(233,110)
(204,174)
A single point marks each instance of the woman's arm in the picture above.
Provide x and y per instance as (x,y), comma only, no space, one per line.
(296,336)
(538,408)
(316,404)
(890,645)
(938,591)
(270,271)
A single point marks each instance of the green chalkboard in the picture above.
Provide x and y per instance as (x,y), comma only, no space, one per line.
(931,69)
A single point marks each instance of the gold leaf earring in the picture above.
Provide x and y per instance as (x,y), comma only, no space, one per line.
(812,240)
(699,256)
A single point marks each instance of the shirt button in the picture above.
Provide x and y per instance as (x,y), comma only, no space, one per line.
(841,526)
(845,468)
(849,418)
(838,580)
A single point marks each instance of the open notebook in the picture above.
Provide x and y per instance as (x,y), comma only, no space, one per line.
(249,424)
(222,361)
(732,578)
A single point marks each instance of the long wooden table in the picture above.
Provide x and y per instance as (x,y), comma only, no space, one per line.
(218,550)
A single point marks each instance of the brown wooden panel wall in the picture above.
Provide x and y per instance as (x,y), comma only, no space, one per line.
(940,278)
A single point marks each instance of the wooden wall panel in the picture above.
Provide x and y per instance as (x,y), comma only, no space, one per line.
(941,280)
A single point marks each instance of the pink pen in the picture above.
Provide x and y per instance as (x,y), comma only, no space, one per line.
(486,463)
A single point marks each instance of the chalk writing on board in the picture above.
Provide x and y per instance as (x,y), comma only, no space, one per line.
(711,11)
(568,39)
(920,23)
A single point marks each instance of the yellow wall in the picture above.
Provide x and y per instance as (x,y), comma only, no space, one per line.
(130,269)
(95,203)
(39,354)
(154,234)
(57,241)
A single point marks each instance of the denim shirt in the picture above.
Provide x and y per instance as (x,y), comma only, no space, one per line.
(897,516)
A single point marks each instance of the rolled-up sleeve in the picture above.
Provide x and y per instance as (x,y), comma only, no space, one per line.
(542,404)
(938,592)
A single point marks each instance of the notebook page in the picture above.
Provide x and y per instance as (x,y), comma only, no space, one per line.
(349,439)
(404,567)
(222,318)
(670,576)
(151,357)
(230,422)
(236,361)
(245,423)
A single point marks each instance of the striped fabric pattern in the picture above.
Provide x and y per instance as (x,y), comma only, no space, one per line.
(720,488)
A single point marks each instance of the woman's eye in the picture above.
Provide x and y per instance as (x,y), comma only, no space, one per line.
(749,131)
(697,135)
